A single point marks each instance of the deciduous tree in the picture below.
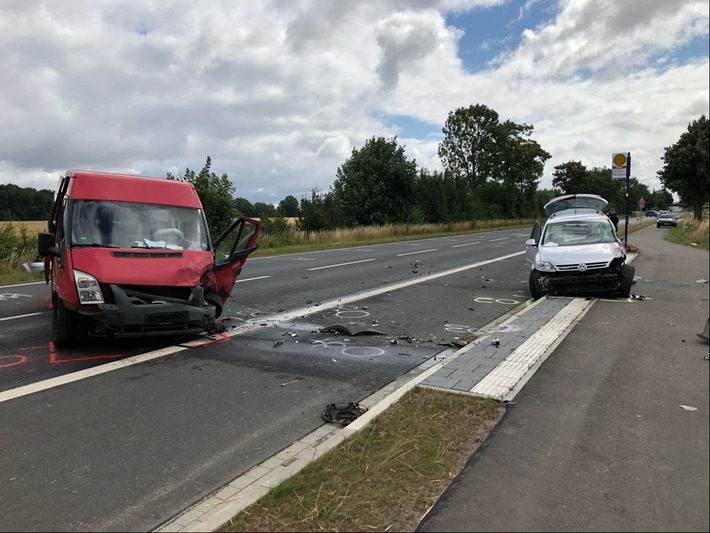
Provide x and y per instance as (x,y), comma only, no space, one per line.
(215,193)
(375,185)
(685,166)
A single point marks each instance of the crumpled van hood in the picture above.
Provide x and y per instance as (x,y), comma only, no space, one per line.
(109,265)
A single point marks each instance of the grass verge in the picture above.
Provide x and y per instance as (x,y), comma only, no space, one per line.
(387,476)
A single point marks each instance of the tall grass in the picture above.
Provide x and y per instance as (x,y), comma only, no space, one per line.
(691,232)
(18,245)
(294,240)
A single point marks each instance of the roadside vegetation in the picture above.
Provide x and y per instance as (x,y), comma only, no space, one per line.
(18,240)
(386,477)
(491,171)
(691,232)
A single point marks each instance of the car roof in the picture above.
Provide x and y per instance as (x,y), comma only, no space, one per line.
(576,203)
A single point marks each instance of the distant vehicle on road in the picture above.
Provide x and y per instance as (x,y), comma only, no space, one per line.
(651,212)
(666,219)
(577,250)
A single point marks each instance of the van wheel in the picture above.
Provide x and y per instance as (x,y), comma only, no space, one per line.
(626,280)
(535,286)
(63,325)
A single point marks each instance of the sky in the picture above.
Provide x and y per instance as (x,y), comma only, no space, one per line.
(278,93)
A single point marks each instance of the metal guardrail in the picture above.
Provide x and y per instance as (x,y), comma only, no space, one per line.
(33,267)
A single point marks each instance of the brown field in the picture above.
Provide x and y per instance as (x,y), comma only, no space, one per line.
(32,227)
(35,226)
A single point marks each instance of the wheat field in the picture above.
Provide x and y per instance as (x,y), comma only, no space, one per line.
(33,227)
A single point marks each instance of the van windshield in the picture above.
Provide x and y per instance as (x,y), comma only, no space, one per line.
(135,225)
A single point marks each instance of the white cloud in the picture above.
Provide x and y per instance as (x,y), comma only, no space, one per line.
(279,93)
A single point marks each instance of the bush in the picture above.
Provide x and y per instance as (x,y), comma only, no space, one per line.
(275,227)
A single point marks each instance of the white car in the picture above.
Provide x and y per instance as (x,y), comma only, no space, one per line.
(577,251)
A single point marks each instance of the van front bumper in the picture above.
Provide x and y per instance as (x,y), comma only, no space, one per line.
(140,314)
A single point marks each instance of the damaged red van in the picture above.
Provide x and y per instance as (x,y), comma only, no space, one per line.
(131,256)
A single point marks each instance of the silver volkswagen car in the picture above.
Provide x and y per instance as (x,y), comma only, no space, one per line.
(577,251)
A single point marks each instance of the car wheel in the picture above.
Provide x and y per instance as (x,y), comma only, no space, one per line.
(658,225)
(536,290)
(63,325)
(626,280)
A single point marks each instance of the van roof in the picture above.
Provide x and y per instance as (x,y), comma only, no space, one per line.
(91,185)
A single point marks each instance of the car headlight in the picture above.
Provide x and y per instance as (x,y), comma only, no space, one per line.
(543,265)
(88,288)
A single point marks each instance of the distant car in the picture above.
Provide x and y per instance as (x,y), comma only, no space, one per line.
(651,213)
(666,219)
(577,251)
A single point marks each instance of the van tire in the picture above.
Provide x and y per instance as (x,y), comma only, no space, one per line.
(63,325)
(535,287)
(626,280)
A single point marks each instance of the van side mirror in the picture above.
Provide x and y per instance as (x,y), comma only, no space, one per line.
(45,243)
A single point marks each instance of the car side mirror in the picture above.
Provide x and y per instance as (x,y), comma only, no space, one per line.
(44,244)
(531,242)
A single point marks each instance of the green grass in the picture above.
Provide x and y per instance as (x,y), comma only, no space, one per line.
(690,232)
(386,477)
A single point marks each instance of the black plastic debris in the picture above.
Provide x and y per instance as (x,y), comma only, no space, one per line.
(343,413)
(352,329)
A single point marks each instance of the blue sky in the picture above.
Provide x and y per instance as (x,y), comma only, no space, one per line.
(278,94)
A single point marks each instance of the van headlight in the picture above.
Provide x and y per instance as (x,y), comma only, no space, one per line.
(88,288)
(544,266)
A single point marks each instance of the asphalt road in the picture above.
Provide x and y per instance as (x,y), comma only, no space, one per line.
(611,433)
(121,436)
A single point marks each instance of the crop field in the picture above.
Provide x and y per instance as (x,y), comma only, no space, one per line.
(32,227)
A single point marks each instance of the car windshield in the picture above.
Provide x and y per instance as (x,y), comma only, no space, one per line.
(571,233)
(134,225)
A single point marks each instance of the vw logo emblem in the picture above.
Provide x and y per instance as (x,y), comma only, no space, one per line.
(582,267)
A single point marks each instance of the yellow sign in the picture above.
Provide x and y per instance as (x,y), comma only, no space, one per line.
(620,166)
(619,160)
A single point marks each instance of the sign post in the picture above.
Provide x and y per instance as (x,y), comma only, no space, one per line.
(621,170)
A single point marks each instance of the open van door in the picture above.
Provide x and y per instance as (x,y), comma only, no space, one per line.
(231,250)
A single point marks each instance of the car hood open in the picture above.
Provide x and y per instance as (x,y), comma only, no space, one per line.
(576,202)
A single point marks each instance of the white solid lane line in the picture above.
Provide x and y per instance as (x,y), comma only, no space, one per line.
(19,316)
(342,264)
(418,252)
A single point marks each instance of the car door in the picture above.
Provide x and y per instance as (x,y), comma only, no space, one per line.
(532,243)
(231,250)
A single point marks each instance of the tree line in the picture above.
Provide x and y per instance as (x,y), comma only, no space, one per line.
(491,169)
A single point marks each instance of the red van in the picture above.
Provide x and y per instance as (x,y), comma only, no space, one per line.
(131,256)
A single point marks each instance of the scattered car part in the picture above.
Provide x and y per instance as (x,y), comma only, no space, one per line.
(352,329)
(343,413)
